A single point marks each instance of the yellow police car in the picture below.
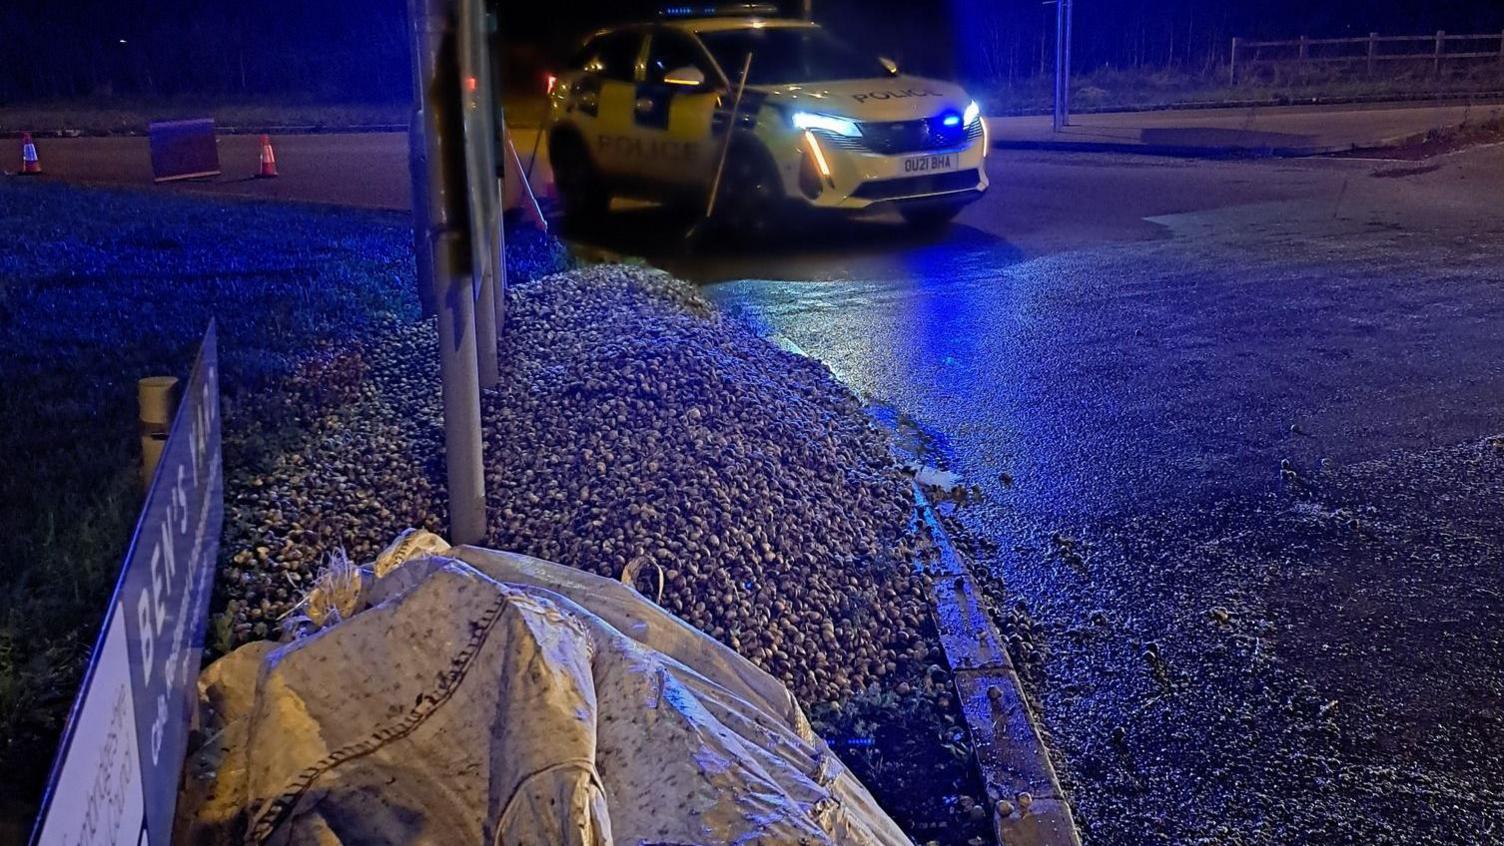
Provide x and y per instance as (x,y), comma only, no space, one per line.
(644,111)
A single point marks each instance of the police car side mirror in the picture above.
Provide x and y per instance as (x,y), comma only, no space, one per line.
(889,65)
(687,77)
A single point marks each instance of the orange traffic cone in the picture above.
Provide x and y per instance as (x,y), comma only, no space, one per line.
(268,159)
(29,161)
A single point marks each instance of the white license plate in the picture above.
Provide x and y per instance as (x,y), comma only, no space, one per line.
(929,164)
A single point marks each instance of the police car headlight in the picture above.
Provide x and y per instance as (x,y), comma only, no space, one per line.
(973,114)
(827,123)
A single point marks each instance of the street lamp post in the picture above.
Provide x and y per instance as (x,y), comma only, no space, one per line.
(1065,89)
(1062,113)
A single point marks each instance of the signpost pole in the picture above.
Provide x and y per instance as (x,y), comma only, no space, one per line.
(477,31)
(488,368)
(442,217)
(496,136)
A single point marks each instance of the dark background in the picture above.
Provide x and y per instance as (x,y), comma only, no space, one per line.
(356,50)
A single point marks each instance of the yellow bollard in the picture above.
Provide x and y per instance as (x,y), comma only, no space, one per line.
(157,397)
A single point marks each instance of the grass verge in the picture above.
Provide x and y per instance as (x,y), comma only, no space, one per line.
(97,289)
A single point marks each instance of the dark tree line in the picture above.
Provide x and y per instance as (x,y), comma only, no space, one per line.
(347,50)
(1012,40)
(357,50)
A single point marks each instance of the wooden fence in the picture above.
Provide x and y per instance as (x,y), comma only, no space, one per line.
(1369,53)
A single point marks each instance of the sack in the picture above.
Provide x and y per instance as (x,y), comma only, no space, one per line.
(485,697)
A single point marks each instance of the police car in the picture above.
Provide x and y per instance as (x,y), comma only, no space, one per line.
(644,111)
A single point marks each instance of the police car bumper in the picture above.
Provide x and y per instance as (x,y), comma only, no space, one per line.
(843,179)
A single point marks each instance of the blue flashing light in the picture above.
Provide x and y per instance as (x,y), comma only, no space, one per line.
(951,120)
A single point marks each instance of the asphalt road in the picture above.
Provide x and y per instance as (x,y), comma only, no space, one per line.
(355,169)
(1231,423)
(370,168)
(366,169)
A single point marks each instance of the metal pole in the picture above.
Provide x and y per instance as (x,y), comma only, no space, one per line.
(496,244)
(1441,37)
(1232,67)
(478,113)
(439,210)
(488,368)
(1058,120)
(1373,50)
(1065,88)
(720,167)
(809,10)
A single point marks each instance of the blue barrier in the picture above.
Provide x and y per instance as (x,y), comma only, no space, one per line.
(183,149)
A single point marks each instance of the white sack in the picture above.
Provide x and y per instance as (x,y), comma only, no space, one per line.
(493,698)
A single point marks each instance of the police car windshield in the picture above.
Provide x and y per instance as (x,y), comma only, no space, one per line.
(786,55)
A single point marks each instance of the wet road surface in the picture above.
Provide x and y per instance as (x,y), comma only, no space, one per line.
(1235,427)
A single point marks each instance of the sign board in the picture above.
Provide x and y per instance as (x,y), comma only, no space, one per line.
(183,149)
(118,766)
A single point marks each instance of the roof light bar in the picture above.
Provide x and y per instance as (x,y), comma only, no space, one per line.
(720,10)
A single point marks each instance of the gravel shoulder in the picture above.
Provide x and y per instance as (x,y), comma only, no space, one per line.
(1259,657)
(97,289)
(636,425)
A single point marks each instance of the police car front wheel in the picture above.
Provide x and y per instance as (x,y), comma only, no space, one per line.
(750,193)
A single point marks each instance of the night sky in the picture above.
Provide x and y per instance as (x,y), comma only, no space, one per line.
(356,50)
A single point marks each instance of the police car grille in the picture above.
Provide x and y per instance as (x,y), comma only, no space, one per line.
(918,186)
(910,136)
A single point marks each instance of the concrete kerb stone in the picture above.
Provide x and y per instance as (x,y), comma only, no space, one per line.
(1028,806)
(1226,151)
(1270,102)
(1177,151)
